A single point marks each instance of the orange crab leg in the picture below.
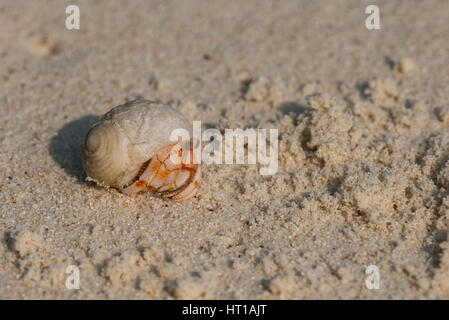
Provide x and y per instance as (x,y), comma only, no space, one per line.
(190,188)
(170,171)
(145,181)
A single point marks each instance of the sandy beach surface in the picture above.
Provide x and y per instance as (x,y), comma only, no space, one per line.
(363,122)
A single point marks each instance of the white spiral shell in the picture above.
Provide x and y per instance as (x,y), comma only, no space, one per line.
(125,138)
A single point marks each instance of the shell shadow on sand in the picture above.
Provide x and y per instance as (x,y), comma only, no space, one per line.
(65,147)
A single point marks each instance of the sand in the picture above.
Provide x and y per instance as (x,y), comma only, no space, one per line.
(363,178)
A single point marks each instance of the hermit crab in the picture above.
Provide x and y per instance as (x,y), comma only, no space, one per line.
(130,148)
